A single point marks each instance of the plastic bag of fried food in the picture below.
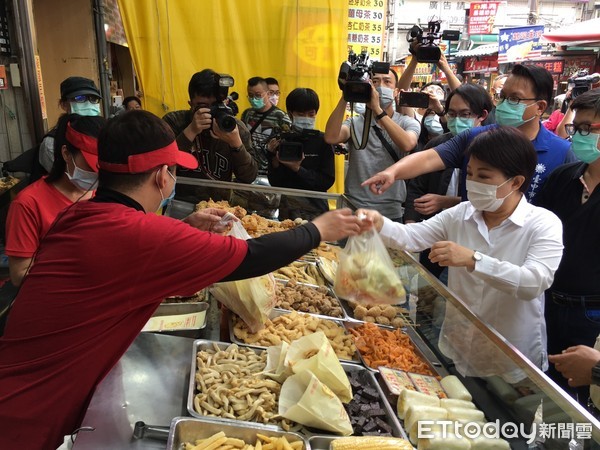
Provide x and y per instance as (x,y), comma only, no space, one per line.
(366,274)
(251,299)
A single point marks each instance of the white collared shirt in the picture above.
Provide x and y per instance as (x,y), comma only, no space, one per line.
(506,288)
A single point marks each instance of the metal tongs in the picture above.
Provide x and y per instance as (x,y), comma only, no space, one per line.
(143,431)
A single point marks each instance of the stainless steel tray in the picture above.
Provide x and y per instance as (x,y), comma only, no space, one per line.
(320,442)
(427,359)
(186,429)
(186,329)
(280,312)
(350,315)
(202,344)
(330,293)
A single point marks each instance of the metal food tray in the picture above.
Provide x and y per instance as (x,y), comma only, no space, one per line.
(174,309)
(186,429)
(430,359)
(321,442)
(203,344)
(330,292)
(349,312)
(307,262)
(280,312)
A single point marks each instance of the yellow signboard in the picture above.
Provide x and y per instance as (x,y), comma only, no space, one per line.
(366,27)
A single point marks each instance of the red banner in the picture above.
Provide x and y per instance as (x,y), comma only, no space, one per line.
(481,64)
(481,17)
(554,66)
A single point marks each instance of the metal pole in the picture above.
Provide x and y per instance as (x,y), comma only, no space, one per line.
(98,10)
(396,22)
(23,18)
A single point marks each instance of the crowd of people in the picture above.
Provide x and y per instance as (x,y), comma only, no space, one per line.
(475,182)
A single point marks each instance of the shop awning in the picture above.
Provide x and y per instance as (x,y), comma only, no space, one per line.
(482,50)
(586,32)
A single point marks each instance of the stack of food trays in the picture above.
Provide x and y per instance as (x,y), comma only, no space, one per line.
(180,316)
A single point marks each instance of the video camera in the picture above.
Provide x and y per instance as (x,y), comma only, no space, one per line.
(354,75)
(291,146)
(428,50)
(582,82)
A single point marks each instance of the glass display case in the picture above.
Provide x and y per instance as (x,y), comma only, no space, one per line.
(505,385)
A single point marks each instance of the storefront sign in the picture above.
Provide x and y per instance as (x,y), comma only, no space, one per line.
(481,17)
(38,73)
(366,27)
(554,66)
(4,38)
(574,64)
(519,44)
(482,64)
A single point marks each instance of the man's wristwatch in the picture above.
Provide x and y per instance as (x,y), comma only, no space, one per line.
(380,116)
(477,256)
(596,374)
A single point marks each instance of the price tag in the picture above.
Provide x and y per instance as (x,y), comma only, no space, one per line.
(396,380)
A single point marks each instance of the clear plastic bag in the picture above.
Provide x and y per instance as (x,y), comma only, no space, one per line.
(366,273)
(251,299)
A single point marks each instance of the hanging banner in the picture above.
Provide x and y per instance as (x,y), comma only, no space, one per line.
(554,66)
(481,17)
(481,64)
(366,27)
(520,43)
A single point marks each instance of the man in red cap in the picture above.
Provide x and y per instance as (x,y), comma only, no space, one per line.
(102,270)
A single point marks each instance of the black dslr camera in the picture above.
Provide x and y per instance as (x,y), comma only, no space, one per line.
(223,114)
(582,82)
(428,50)
(354,75)
(291,147)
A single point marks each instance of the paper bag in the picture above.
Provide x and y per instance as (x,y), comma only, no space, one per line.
(276,367)
(251,299)
(304,399)
(315,353)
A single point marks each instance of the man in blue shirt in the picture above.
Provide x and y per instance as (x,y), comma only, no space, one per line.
(522,101)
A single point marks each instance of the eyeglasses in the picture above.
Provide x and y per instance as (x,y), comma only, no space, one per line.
(584,129)
(85,98)
(274,93)
(511,99)
(462,114)
(256,95)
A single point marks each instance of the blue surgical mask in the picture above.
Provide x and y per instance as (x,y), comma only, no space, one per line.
(386,96)
(360,108)
(82,179)
(512,115)
(457,125)
(165,201)
(85,108)
(257,103)
(304,123)
(586,147)
(433,125)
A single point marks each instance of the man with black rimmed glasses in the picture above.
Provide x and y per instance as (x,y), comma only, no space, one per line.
(573,301)
(522,101)
(78,95)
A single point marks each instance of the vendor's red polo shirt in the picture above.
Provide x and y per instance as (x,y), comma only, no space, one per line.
(99,274)
(30,215)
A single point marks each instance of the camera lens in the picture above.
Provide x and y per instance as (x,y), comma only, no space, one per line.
(226,122)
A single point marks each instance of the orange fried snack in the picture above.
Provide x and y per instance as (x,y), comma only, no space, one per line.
(380,347)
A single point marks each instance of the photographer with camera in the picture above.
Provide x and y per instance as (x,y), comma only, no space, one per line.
(209,131)
(386,139)
(579,83)
(301,159)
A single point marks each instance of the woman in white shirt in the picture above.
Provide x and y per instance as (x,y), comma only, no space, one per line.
(501,251)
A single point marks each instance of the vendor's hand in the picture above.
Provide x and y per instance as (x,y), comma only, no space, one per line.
(337,224)
(292,165)
(380,182)
(232,138)
(370,219)
(575,364)
(201,121)
(450,254)
(209,219)
(429,204)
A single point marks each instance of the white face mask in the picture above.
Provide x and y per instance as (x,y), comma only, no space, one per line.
(82,179)
(360,108)
(483,196)
(386,96)
(274,99)
(433,125)
(304,123)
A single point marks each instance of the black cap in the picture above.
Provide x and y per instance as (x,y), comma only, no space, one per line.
(74,86)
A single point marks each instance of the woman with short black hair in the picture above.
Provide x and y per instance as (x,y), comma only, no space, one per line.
(501,252)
